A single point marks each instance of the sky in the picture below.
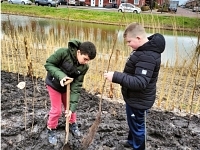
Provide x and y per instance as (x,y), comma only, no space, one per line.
(182,2)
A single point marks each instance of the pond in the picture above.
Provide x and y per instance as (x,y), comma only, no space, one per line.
(179,45)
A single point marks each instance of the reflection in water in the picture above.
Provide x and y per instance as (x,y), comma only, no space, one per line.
(180,46)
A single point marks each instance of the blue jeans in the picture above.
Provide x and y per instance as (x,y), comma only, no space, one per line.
(137,129)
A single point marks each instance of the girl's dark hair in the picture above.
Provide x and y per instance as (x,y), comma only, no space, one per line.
(88,48)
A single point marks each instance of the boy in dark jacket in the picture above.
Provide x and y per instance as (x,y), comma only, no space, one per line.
(138,80)
(64,64)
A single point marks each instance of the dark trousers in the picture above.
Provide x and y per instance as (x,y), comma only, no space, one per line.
(136,123)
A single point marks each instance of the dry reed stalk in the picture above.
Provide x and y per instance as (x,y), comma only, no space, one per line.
(158,25)
(197,106)
(13,59)
(171,85)
(25,103)
(33,105)
(141,21)
(102,70)
(2,57)
(95,76)
(103,63)
(185,89)
(153,21)
(8,58)
(17,52)
(163,82)
(174,24)
(179,86)
(117,54)
(194,70)
(190,101)
(121,65)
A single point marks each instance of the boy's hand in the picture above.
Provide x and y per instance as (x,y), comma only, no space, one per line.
(109,76)
(64,79)
(68,113)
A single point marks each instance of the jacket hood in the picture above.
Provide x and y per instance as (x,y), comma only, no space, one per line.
(73,45)
(156,43)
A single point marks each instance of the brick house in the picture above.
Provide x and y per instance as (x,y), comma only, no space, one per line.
(103,3)
(192,3)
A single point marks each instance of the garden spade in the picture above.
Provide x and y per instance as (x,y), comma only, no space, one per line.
(66,145)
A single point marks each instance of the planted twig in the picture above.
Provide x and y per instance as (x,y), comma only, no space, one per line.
(28,59)
(86,141)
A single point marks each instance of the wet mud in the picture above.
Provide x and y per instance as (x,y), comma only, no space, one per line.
(24,114)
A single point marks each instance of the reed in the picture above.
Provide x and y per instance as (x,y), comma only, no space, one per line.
(163,85)
(169,93)
(177,86)
(177,95)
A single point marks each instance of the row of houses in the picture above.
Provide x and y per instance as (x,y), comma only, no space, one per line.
(103,3)
(192,3)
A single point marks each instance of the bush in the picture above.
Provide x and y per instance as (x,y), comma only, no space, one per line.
(162,9)
(82,3)
(145,8)
(156,5)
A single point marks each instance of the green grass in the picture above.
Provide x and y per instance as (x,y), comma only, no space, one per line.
(148,20)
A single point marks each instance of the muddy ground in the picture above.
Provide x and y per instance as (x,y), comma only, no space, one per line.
(24,114)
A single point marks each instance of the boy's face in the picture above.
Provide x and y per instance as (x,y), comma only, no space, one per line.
(82,59)
(133,42)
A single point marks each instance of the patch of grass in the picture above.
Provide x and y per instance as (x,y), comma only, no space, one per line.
(154,21)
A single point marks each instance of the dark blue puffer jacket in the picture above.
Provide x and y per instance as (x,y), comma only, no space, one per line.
(140,74)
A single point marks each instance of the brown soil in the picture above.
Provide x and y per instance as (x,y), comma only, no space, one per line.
(24,114)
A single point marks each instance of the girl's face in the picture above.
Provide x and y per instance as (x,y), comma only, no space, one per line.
(82,59)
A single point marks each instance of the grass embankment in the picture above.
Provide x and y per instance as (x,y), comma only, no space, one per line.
(97,16)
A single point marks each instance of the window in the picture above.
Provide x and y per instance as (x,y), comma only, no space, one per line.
(136,2)
(123,1)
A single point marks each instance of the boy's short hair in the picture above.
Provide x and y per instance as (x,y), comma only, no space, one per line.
(134,29)
(88,48)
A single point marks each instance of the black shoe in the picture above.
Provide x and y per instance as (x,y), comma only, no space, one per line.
(74,129)
(125,143)
(52,136)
